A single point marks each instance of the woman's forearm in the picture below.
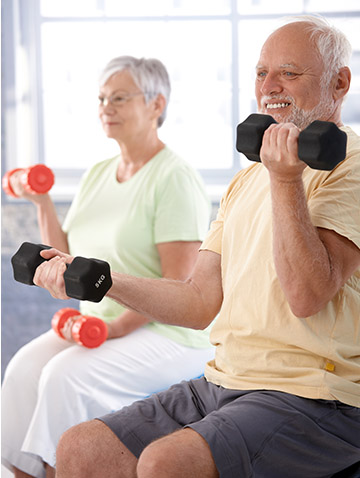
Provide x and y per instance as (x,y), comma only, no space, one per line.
(49,225)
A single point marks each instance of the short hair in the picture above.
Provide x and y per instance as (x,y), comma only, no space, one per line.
(332,44)
(149,74)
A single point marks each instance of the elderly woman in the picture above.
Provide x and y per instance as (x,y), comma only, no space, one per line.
(145,212)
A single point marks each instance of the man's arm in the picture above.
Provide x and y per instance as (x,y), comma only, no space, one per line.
(191,303)
(312,264)
(177,261)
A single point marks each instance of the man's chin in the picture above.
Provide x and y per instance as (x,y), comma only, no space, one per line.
(279,116)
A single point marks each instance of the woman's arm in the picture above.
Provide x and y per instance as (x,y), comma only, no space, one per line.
(49,225)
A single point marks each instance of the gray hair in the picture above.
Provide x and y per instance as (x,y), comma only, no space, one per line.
(149,74)
(332,44)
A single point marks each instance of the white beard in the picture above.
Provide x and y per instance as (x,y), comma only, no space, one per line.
(300,117)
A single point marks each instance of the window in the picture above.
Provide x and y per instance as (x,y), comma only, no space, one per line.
(54,50)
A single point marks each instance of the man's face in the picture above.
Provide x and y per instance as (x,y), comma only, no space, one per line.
(289,81)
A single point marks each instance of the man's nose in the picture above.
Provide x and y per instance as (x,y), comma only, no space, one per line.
(271,84)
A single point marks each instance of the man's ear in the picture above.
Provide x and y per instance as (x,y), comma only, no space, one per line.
(341,83)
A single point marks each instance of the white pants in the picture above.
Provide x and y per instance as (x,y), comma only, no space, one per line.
(51,385)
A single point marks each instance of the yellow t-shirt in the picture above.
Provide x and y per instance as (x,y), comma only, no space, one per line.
(260,343)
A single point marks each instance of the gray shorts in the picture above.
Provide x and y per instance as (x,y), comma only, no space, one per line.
(260,433)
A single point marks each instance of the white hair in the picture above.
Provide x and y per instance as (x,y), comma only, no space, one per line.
(149,74)
(333,46)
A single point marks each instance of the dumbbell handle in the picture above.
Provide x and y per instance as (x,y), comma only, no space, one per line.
(88,331)
(37,179)
(85,279)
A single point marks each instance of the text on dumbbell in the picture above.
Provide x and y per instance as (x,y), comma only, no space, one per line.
(100,281)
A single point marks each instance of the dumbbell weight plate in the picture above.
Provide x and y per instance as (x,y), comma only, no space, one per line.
(60,317)
(250,134)
(37,179)
(327,140)
(87,279)
(6,182)
(89,331)
(26,260)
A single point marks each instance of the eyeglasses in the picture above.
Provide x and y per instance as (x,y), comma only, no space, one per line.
(117,100)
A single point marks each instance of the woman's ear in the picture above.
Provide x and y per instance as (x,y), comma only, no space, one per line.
(342,83)
(159,103)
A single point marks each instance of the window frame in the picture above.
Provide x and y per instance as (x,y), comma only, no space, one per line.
(21,28)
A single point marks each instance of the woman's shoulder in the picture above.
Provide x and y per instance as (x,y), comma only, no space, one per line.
(171,162)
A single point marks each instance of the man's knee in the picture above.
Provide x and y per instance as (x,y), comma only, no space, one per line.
(74,443)
(92,449)
(181,454)
(79,446)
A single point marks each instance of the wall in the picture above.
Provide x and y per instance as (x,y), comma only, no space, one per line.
(26,311)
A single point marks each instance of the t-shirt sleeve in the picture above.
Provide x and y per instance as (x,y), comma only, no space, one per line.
(336,205)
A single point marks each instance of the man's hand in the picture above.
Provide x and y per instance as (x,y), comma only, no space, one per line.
(50,274)
(279,152)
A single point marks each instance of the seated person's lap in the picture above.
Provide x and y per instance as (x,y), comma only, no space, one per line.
(249,432)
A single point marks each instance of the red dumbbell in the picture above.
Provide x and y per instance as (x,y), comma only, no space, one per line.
(88,331)
(37,179)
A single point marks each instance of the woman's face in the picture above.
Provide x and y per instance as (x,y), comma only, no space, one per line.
(123,111)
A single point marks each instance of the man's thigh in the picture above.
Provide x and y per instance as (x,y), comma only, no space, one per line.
(144,421)
(269,434)
(250,433)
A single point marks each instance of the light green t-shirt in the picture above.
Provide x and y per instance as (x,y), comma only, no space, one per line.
(260,343)
(121,223)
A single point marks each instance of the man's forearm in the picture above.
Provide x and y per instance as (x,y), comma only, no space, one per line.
(164,300)
(301,259)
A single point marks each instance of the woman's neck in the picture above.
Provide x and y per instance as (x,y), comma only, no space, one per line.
(135,156)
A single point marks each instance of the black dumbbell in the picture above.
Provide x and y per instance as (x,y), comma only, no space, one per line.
(322,145)
(85,279)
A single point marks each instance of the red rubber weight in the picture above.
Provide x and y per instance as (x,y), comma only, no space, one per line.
(60,318)
(89,331)
(37,179)
(6,182)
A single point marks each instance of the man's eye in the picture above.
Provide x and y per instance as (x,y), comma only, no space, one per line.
(261,74)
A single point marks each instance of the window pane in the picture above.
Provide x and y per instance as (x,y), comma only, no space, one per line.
(74,8)
(167,7)
(332,6)
(199,124)
(261,7)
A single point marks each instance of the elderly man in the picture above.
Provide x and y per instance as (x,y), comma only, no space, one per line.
(282,265)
